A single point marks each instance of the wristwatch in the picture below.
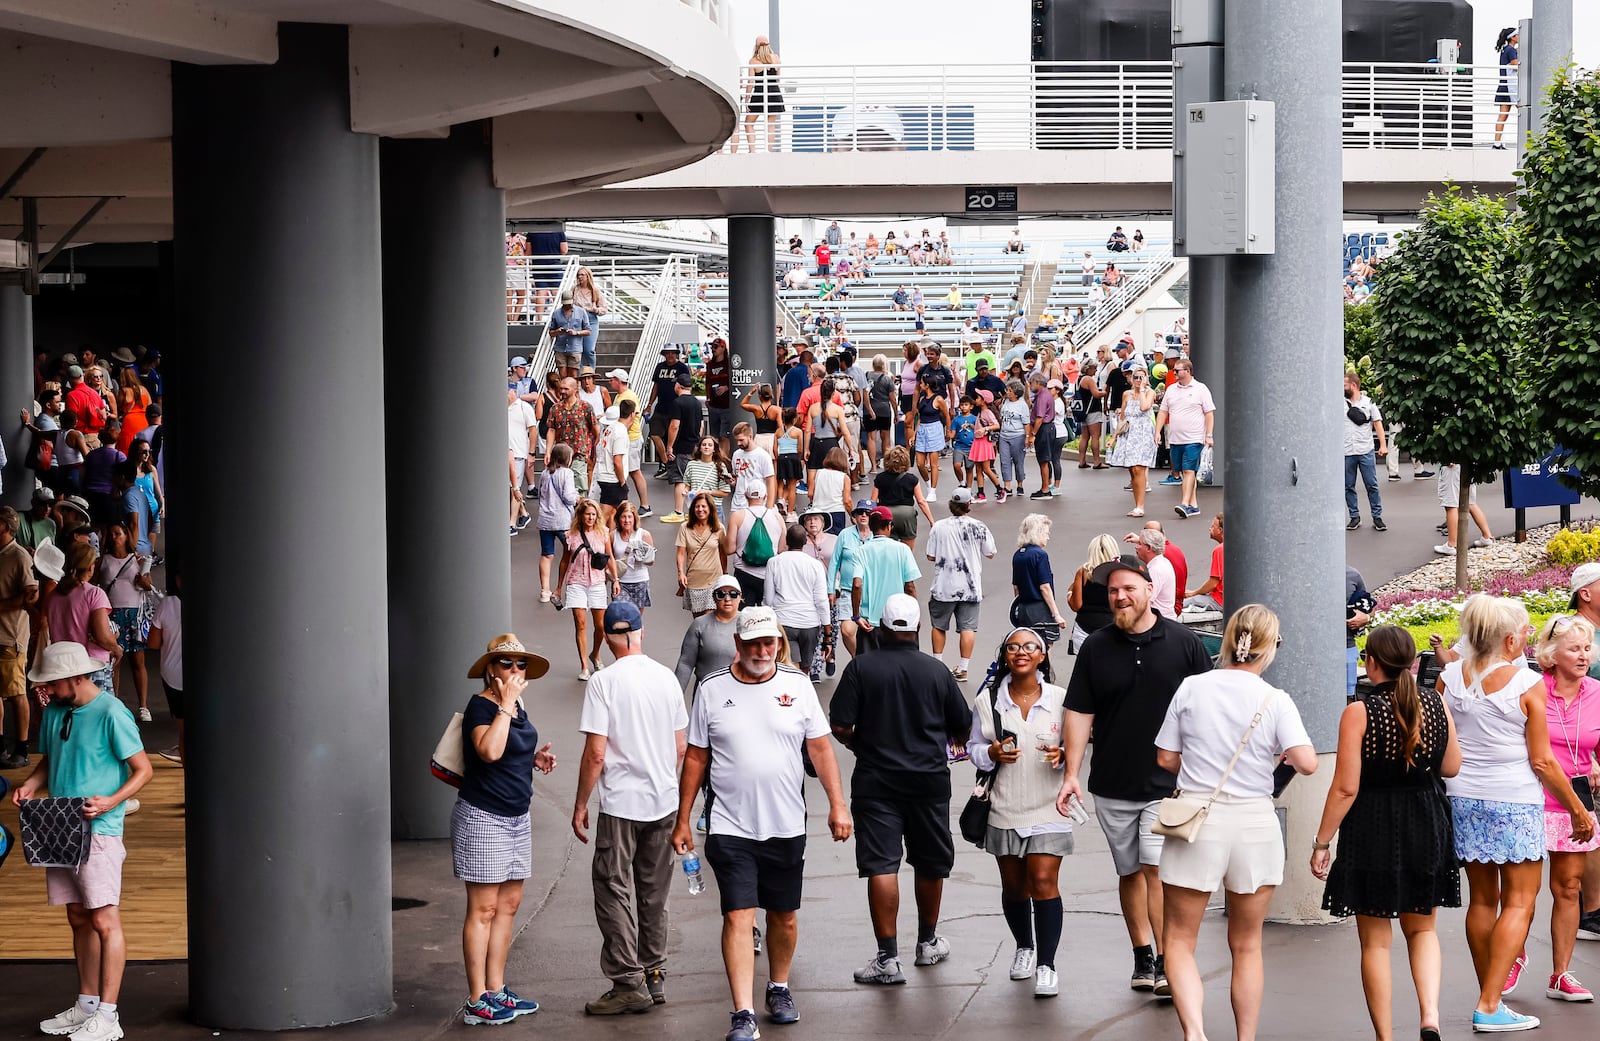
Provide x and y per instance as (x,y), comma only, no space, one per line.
(1318,847)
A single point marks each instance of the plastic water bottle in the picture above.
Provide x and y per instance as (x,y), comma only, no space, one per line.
(691,871)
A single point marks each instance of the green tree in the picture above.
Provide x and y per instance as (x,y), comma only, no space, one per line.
(1361,341)
(1559,250)
(1446,307)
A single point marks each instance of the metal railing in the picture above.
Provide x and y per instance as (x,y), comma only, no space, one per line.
(1156,263)
(1074,105)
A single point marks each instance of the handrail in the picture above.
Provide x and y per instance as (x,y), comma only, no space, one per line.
(1076,105)
(654,335)
(1155,264)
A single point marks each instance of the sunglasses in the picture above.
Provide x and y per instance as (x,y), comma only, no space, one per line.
(725,594)
(1023,648)
(66,726)
(512,663)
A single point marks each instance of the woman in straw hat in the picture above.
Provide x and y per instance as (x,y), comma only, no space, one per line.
(491,843)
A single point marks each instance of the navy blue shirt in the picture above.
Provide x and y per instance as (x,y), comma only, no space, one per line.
(504,787)
(1030,569)
(795,382)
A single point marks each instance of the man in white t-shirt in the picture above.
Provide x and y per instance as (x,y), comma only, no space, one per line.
(522,431)
(1363,444)
(957,545)
(1188,413)
(752,464)
(611,467)
(748,728)
(1151,547)
(634,727)
(797,593)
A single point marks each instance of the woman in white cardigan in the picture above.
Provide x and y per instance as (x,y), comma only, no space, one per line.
(1026,835)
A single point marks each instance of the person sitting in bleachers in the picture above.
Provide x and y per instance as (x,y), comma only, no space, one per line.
(1113,278)
(890,246)
(1014,244)
(797,278)
(901,300)
(871,248)
(952,299)
(918,256)
(1118,242)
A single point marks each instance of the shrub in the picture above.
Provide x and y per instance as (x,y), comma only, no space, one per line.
(1570,547)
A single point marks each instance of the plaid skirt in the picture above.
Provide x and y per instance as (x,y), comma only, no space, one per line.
(486,847)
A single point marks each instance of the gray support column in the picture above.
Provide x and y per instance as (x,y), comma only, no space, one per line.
(1208,337)
(752,301)
(16,376)
(1285,532)
(279,294)
(1548,50)
(444,346)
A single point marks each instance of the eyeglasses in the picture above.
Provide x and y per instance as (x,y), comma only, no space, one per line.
(66,725)
(725,594)
(1022,648)
(512,663)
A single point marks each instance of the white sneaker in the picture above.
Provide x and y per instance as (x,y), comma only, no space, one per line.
(64,1023)
(130,806)
(933,952)
(1445,550)
(144,715)
(932,495)
(1044,983)
(99,1027)
(1022,964)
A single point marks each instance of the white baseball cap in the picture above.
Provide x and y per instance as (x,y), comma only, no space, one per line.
(902,613)
(757,623)
(1583,576)
(618,374)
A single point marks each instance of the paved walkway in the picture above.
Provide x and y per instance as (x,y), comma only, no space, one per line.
(1313,981)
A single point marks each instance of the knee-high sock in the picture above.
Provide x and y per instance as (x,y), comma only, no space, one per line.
(1018,919)
(1047,925)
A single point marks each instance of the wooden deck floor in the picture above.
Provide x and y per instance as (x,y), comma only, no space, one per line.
(154,909)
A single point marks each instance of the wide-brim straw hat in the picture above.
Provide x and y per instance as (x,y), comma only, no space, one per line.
(506,645)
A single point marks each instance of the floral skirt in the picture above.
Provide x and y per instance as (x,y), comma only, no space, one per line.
(126,619)
(1558,834)
(636,593)
(1490,832)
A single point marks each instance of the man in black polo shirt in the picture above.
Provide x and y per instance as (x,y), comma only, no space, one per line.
(1123,681)
(658,411)
(683,434)
(898,710)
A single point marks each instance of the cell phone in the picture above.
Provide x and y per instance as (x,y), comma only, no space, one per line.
(1585,793)
(1281,778)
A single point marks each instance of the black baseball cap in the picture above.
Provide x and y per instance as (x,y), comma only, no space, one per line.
(1126,562)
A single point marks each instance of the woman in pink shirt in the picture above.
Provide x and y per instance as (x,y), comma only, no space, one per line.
(80,612)
(1572,709)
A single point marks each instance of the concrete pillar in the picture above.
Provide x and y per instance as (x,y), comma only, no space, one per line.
(444,347)
(1208,337)
(1284,527)
(752,302)
(16,376)
(279,295)
(1548,50)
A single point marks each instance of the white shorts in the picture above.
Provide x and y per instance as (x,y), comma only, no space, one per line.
(576,598)
(1240,847)
(635,454)
(1450,488)
(97,883)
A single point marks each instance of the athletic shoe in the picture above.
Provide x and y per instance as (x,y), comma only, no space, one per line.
(1163,989)
(1022,964)
(1589,926)
(1502,1020)
(661,470)
(1394,477)
(655,982)
(66,1022)
(1044,983)
(1443,529)
(144,714)
(583,674)
(881,970)
(933,952)
(1482,543)
(674,518)
(511,529)
(1445,550)
(1055,490)
(482,1013)
(1422,475)
(1144,970)
(744,1027)
(980,497)
(1514,977)
(933,495)
(1352,524)
(14,761)
(829,666)
(801,489)
(102,1026)
(1379,525)
(523,521)
(999,495)
(959,674)
(1191,511)
(1040,494)
(1566,987)
(620,1001)
(646,511)
(171,755)
(507,998)
(780,1005)
(1170,479)
(130,807)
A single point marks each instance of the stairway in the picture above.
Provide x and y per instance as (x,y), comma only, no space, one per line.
(1037,278)
(616,345)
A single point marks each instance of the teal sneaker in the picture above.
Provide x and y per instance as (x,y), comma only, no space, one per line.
(1501,1021)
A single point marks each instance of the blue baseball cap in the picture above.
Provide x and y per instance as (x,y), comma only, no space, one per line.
(623,617)
(863,506)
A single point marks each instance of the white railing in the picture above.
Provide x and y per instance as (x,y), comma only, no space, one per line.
(675,299)
(1156,262)
(1075,105)
(526,306)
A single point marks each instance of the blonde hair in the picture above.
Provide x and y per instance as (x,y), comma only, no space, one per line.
(1033,531)
(1101,549)
(762,54)
(1486,621)
(1251,636)
(1556,630)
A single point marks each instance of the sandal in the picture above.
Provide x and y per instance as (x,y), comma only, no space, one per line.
(1083,466)
(1101,466)
(1135,513)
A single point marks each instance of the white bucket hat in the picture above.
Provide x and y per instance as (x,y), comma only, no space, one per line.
(49,560)
(63,661)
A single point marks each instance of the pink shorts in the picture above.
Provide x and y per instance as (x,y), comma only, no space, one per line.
(1558,834)
(98,883)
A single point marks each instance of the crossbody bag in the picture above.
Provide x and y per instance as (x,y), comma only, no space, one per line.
(975,814)
(1180,816)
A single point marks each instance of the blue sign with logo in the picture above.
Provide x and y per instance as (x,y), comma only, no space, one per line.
(1538,484)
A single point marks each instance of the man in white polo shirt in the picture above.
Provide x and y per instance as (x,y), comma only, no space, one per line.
(749,726)
(633,724)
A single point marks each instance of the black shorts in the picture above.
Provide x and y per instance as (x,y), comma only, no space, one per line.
(674,474)
(613,495)
(659,421)
(922,824)
(819,449)
(174,700)
(765,874)
(879,422)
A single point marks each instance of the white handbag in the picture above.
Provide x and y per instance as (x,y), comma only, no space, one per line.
(1180,816)
(449,762)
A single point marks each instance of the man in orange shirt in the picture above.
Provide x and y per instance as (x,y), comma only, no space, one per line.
(1209,596)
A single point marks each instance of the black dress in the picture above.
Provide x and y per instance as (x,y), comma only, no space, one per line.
(1396,845)
(765,94)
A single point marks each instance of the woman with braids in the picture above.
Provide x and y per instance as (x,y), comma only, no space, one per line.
(1225,733)
(1396,845)
(1026,836)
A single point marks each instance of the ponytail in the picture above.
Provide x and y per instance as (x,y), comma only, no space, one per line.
(1394,650)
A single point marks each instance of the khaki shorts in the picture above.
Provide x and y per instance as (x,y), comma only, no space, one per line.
(13,673)
(98,883)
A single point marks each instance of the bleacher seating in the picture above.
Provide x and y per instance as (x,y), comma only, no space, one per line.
(1068,293)
(1364,244)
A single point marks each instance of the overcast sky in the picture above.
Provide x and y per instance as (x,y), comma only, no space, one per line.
(851,32)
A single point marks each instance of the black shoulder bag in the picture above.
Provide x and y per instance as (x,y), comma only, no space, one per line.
(975,814)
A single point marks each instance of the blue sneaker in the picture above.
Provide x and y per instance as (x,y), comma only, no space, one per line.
(507,999)
(1170,479)
(484,1013)
(1501,1021)
(744,1027)
(780,1005)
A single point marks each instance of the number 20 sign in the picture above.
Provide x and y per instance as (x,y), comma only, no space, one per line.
(992,200)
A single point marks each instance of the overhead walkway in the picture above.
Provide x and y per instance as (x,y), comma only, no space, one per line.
(1075,138)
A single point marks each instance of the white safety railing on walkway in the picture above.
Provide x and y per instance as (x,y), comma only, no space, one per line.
(1156,262)
(675,300)
(1074,105)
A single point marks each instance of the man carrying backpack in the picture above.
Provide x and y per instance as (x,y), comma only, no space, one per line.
(751,539)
